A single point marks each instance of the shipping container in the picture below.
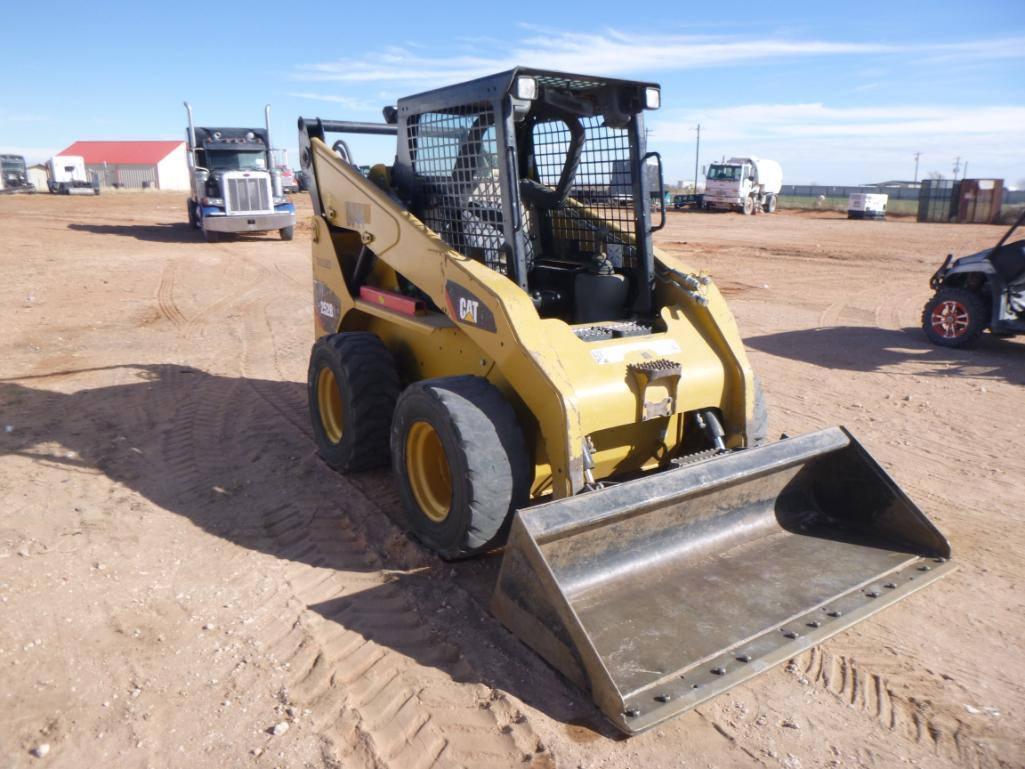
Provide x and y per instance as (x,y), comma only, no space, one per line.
(937,200)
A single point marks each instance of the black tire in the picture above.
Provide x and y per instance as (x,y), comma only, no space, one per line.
(770,204)
(193,219)
(287,233)
(485,458)
(954,317)
(758,429)
(355,374)
(749,206)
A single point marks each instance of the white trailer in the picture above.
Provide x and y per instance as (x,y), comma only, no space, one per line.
(68,176)
(746,184)
(866,205)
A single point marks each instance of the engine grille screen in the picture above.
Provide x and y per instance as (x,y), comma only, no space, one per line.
(247,194)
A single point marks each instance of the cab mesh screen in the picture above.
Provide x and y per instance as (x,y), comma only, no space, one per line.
(457,192)
(599,217)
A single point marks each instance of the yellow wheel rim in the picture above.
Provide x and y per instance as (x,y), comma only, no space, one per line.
(427,471)
(329,404)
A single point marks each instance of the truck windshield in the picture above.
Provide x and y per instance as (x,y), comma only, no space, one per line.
(12,164)
(724,172)
(236,160)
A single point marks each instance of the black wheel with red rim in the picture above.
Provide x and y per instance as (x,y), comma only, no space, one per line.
(954,317)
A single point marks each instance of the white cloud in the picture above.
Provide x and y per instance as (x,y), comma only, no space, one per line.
(614,52)
(346,101)
(847,144)
(814,140)
(793,121)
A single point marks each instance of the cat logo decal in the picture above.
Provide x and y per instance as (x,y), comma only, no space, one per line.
(467,308)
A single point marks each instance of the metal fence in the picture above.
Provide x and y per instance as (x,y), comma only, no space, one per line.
(1011,197)
(815,190)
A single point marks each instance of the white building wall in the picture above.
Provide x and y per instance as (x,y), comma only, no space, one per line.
(129,176)
(38,177)
(173,170)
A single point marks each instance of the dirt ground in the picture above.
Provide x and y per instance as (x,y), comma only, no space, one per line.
(184,584)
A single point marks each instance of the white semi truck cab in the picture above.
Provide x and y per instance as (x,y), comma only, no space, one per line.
(746,184)
(68,176)
(235,186)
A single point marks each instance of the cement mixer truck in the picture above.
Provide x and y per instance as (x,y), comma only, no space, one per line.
(749,185)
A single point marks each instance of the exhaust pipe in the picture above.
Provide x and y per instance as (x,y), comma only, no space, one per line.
(275,175)
(266,120)
(192,136)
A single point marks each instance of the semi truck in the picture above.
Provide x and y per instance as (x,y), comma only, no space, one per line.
(235,185)
(13,174)
(745,184)
(69,177)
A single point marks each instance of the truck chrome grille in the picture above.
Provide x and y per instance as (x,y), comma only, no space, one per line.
(247,193)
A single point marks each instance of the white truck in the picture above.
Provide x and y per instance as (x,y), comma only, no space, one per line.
(69,177)
(866,205)
(746,184)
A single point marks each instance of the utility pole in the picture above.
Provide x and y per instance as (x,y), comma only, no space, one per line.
(964,172)
(917,156)
(957,166)
(697,152)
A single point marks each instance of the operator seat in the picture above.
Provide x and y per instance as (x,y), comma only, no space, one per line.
(1009,262)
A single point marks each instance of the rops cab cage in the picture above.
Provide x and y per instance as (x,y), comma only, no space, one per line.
(533,173)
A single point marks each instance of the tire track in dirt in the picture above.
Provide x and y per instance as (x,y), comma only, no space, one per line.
(385,687)
(257,352)
(897,703)
(166,304)
(381,682)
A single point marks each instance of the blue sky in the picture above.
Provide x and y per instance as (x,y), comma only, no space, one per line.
(840,93)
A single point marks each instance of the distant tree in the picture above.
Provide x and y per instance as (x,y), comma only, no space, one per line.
(934,175)
(1020,184)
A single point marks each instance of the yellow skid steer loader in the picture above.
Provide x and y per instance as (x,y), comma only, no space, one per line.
(493,319)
